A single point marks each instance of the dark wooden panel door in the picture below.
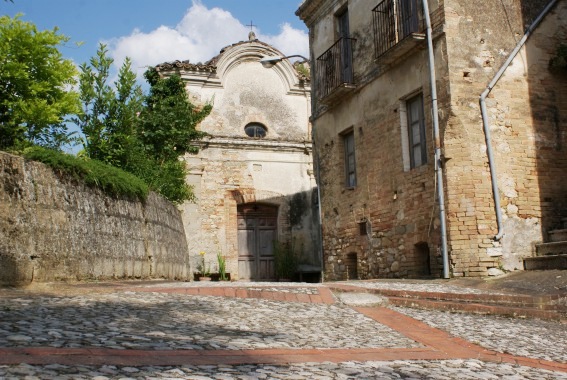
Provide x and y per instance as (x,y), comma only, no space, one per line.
(256,234)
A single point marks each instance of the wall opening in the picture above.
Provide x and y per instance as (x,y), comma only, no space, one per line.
(422,259)
(351,264)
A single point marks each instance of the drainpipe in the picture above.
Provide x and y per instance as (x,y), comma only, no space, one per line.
(438,160)
(486,126)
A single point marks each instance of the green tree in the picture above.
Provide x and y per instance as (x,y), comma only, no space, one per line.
(144,135)
(167,129)
(35,82)
(109,115)
(169,119)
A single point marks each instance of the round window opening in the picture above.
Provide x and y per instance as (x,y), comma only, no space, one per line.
(255,130)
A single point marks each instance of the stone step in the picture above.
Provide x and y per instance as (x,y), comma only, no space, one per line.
(546,262)
(544,307)
(553,248)
(558,235)
(480,308)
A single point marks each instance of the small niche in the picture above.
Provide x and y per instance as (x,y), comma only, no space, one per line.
(351,264)
(422,259)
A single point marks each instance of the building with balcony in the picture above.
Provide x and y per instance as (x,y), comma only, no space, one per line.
(253,176)
(503,168)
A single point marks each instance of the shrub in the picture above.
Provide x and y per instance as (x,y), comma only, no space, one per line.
(113,181)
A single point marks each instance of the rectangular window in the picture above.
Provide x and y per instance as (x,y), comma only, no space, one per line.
(350,161)
(416,131)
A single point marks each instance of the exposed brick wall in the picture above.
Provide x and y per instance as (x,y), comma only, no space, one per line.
(526,126)
(398,204)
(528,122)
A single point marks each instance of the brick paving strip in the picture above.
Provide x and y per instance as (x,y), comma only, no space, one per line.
(439,345)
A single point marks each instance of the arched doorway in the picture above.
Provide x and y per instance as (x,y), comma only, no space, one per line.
(257,227)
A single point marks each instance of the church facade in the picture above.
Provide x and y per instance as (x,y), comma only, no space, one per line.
(253,176)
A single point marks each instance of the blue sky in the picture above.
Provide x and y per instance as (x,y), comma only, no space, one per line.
(151,31)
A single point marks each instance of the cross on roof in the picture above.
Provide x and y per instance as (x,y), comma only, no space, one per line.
(251,25)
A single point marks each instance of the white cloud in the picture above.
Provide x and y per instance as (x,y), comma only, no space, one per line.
(289,41)
(199,36)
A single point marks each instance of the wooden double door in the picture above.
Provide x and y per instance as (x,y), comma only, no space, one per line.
(257,230)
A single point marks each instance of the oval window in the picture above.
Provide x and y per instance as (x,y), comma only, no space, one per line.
(255,130)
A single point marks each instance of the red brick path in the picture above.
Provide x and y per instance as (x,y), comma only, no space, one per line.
(437,344)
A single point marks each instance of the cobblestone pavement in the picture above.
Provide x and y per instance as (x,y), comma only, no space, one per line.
(522,337)
(139,333)
(398,369)
(128,320)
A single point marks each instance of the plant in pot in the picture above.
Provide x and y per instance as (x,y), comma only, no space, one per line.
(285,261)
(203,270)
(221,261)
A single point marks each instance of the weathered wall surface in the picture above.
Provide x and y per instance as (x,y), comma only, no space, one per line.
(527,118)
(233,169)
(54,229)
(396,203)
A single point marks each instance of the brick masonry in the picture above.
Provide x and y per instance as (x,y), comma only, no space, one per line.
(528,121)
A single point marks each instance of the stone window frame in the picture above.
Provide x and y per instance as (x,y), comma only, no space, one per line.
(255,126)
(409,161)
(349,158)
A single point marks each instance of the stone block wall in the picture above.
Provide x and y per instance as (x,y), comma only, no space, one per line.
(52,228)
(225,177)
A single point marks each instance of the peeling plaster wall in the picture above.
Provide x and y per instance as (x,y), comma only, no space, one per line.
(54,229)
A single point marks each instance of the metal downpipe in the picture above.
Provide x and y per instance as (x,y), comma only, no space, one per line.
(486,126)
(438,162)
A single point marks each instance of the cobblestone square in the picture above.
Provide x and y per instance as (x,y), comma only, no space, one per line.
(166,332)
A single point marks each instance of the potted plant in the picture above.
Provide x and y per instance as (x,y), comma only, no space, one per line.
(221,260)
(203,270)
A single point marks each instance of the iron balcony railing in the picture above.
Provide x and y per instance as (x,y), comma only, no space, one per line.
(395,20)
(334,67)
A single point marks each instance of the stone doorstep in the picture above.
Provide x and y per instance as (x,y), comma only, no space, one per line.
(507,299)
(476,308)
(558,235)
(552,248)
(549,261)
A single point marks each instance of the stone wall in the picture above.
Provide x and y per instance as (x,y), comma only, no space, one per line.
(52,228)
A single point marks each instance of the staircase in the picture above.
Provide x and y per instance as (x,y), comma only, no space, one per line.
(552,255)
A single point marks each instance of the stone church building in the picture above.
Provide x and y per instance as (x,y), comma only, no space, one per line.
(253,176)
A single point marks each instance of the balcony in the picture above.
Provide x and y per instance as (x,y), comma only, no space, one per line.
(334,74)
(398,28)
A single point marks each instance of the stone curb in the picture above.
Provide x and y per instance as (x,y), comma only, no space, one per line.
(498,304)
